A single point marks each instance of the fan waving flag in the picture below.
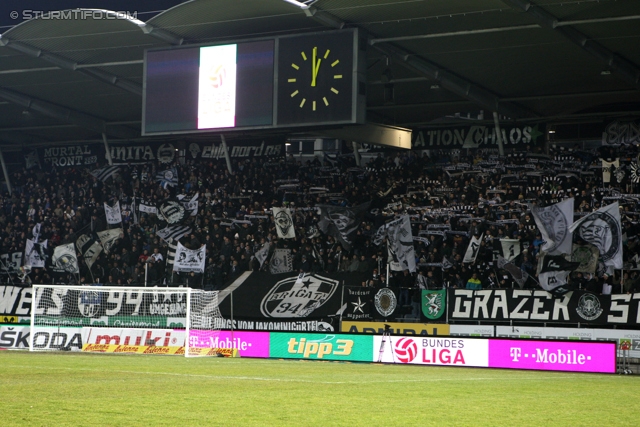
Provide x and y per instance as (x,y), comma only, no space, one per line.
(175,232)
(553,271)
(105,173)
(399,244)
(472,250)
(113,214)
(555,223)
(342,223)
(284,223)
(64,259)
(168,178)
(603,230)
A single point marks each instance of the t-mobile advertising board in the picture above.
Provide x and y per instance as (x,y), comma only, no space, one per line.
(553,355)
(248,344)
(495,353)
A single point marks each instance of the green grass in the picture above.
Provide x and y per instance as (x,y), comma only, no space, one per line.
(55,389)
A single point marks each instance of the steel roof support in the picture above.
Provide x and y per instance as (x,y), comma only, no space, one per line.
(454,83)
(67,64)
(618,65)
(66,115)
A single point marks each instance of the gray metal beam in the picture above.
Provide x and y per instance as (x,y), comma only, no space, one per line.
(67,64)
(618,65)
(454,83)
(66,115)
(160,34)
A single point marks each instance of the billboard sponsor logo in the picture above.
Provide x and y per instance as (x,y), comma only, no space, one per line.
(157,350)
(406,350)
(137,338)
(320,348)
(570,357)
(99,348)
(11,338)
(57,341)
(126,349)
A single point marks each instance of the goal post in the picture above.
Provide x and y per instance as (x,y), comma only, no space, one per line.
(126,320)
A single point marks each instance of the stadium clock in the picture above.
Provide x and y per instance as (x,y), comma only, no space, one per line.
(315,78)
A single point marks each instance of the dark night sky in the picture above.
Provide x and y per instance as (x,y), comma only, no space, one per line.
(142,7)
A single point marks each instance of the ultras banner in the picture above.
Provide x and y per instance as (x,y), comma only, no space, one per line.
(541,306)
(264,296)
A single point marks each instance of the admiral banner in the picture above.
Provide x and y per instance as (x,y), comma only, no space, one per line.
(540,306)
(396,328)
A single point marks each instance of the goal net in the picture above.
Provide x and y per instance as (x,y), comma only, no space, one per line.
(126,320)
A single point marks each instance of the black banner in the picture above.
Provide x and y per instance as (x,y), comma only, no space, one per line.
(541,306)
(477,136)
(288,296)
(358,303)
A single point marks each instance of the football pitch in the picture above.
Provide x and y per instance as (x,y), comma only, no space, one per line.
(60,389)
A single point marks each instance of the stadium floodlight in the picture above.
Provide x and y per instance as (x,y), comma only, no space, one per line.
(115,319)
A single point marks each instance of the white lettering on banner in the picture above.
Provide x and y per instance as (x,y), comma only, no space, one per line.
(487,304)
(622,132)
(15,300)
(471,137)
(69,156)
(228,343)
(570,358)
(140,153)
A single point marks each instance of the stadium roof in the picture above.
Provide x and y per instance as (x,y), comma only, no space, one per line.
(71,77)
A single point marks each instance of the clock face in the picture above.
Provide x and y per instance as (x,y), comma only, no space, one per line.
(315,79)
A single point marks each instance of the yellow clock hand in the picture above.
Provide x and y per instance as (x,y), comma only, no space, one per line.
(315,66)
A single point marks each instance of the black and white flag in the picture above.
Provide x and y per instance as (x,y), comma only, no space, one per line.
(171,251)
(342,223)
(31,159)
(472,250)
(587,256)
(189,259)
(64,259)
(553,271)
(400,245)
(113,214)
(284,223)
(168,178)
(446,264)
(89,248)
(281,261)
(175,232)
(510,248)
(36,232)
(108,238)
(555,223)
(262,254)
(520,276)
(147,207)
(105,173)
(171,211)
(191,205)
(35,254)
(603,230)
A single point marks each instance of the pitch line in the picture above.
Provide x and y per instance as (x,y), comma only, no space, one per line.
(296,380)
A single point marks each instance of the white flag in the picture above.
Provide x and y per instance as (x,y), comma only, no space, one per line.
(284,223)
(281,261)
(555,223)
(603,230)
(262,254)
(189,259)
(91,254)
(510,248)
(472,250)
(607,168)
(400,245)
(113,213)
(35,253)
(108,238)
(65,260)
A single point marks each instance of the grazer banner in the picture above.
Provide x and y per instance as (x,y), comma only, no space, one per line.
(476,136)
(321,346)
(287,296)
(540,306)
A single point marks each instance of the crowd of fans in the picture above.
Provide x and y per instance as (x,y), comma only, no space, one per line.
(458,193)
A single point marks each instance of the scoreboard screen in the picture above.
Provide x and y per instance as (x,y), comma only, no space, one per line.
(288,81)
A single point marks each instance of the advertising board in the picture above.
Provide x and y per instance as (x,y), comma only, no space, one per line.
(433,351)
(553,355)
(322,347)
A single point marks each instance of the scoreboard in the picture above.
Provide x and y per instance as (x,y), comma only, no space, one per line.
(304,80)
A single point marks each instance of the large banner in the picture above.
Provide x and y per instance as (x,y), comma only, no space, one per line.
(476,136)
(540,306)
(288,296)
(189,259)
